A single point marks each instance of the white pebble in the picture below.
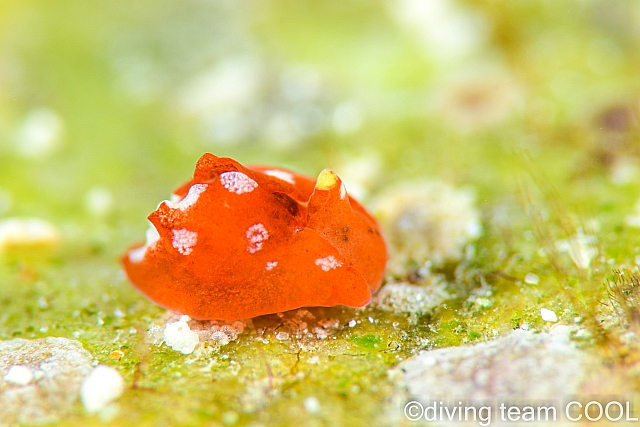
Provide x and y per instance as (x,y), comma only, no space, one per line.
(101,387)
(27,232)
(180,337)
(548,315)
(40,133)
(19,375)
(98,201)
(352,323)
(282,336)
(531,279)
(312,405)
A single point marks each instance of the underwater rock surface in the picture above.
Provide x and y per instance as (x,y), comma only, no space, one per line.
(57,367)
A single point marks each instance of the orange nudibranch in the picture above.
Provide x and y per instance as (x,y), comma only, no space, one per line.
(238,241)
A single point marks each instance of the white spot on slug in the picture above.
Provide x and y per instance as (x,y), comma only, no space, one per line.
(153,236)
(285,176)
(256,234)
(328,263)
(271,265)
(343,191)
(184,240)
(190,199)
(237,182)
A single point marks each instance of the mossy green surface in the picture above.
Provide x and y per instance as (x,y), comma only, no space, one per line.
(540,117)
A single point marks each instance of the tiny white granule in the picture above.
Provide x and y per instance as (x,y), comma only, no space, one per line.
(328,263)
(180,337)
(40,133)
(101,387)
(352,323)
(271,265)
(320,333)
(282,336)
(237,182)
(27,232)
(184,240)
(312,404)
(548,315)
(220,337)
(98,201)
(19,375)
(285,176)
(256,234)
(189,200)
(531,279)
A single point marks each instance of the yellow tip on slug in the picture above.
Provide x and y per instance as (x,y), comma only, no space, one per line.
(326,180)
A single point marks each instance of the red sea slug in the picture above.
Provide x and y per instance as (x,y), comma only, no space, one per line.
(238,241)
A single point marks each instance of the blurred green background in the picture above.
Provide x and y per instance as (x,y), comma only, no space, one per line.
(126,97)
(106,106)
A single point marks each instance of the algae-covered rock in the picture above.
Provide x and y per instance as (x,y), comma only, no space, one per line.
(58,367)
(522,365)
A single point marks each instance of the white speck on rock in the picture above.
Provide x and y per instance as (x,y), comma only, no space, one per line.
(180,337)
(282,336)
(101,387)
(184,240)
(19,375)
(237,182)
(352,323)
(312,405)
(548,315)
(219,337)
(40,133)
(328,263)
(181,329)
(27,232)
(98,201)
(532,279)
